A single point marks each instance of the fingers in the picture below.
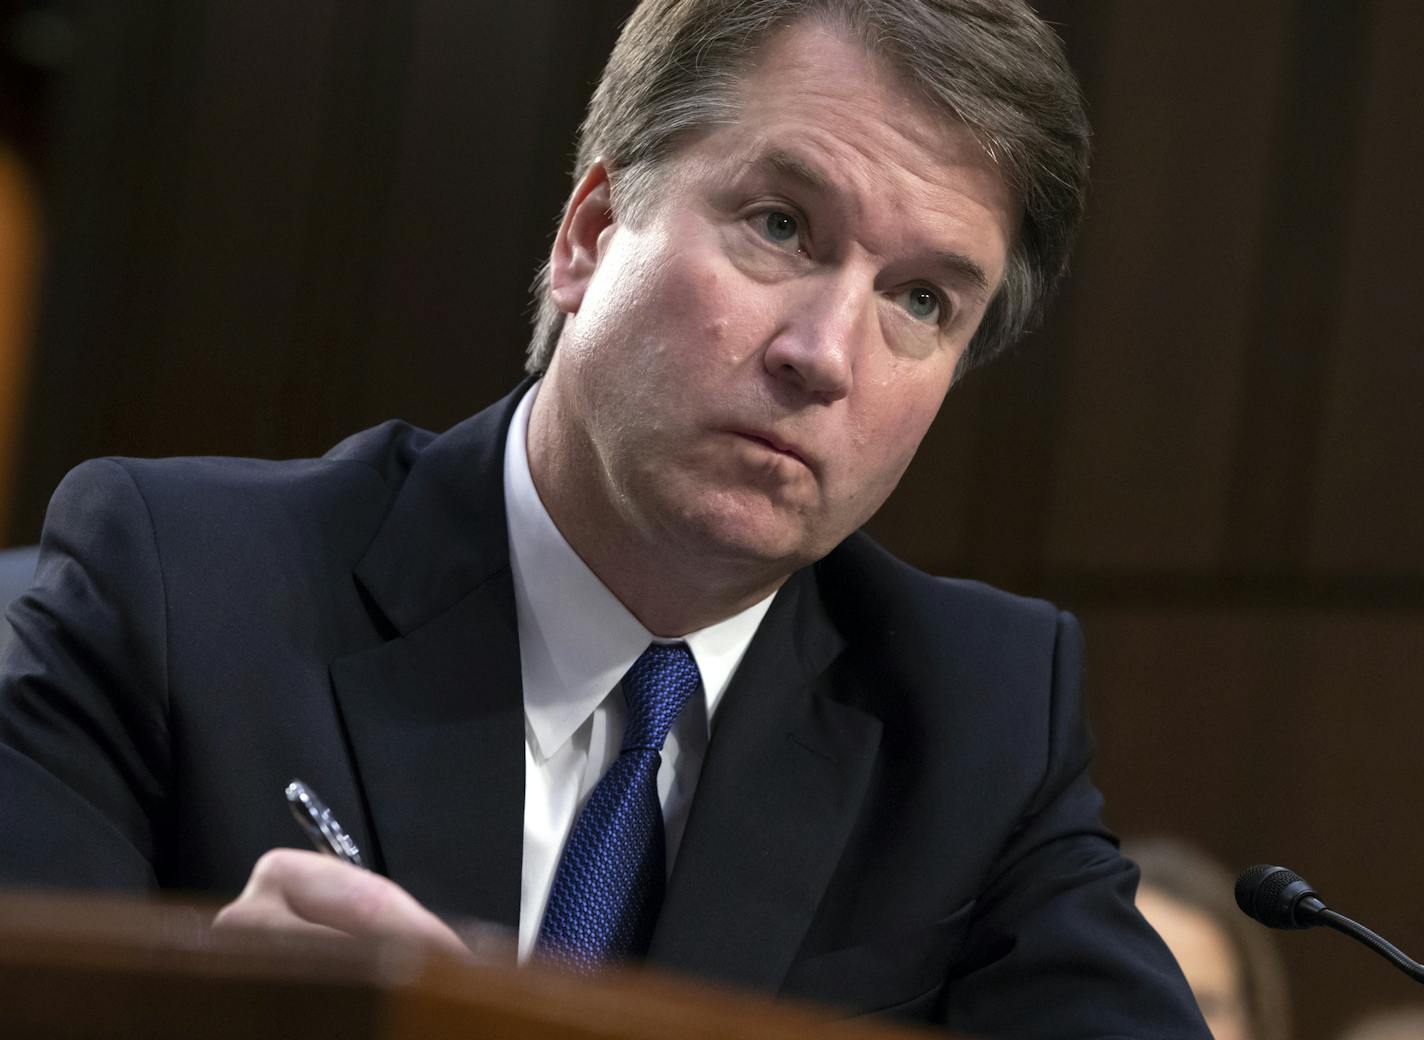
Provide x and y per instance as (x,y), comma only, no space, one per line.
(294,891)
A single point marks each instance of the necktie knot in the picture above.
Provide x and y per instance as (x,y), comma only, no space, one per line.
(656,688)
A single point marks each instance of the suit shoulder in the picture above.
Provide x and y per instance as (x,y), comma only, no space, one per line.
(866,584)
(941,655)
(238,499)
(378,457)
(389,449)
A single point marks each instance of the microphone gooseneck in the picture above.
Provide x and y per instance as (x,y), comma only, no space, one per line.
(1281,898)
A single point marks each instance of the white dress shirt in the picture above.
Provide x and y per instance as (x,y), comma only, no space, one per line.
(576,642)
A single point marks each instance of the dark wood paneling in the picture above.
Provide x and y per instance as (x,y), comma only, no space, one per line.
(484,158)
(219,339)
(1162,287)
(1367,513)
(126,99)
(1296,283)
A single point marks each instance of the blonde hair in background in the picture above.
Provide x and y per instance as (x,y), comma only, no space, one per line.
(1403,1023)
(1192,878)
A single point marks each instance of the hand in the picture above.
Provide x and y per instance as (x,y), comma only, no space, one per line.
(296,892)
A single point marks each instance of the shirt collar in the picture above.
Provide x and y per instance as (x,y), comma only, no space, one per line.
(576,640)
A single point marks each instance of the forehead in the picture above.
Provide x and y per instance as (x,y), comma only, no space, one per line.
(816,108)
(819,64)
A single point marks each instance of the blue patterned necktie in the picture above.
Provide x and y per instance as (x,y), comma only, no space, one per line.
(609,884)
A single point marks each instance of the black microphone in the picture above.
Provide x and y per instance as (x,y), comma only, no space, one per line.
(1281,898)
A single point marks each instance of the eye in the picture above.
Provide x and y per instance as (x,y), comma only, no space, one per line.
(923,303)
(779,226)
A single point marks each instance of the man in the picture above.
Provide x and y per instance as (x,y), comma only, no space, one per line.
(793,224)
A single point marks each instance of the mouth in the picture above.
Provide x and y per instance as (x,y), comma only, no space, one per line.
(776,444)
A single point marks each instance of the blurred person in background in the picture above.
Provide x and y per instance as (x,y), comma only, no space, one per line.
(1403,1023)
(1231,963)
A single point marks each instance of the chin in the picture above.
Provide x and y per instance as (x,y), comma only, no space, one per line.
(760,536)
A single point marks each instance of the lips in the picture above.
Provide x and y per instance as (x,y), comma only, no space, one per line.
(777,444)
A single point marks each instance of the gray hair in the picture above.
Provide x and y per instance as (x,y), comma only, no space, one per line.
(992,65)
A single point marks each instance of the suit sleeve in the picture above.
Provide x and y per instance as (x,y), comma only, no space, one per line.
(1060,950)
(83,687)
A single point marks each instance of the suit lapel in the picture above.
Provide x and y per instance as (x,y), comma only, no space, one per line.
(435,714)
(436,724)
(783,779)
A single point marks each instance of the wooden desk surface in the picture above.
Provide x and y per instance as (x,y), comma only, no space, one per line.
(106,967)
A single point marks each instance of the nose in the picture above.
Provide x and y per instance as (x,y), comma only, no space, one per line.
(816,346)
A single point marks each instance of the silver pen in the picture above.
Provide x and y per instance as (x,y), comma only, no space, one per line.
(487,943)
(324,830)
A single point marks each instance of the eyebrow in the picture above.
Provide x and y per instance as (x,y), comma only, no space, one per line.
(795,168)
(962,268)
(965,269)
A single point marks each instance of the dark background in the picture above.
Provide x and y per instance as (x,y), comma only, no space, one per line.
(270,224)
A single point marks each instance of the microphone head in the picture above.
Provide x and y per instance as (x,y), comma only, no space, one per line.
(1274,896)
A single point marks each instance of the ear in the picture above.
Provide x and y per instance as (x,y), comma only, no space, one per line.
(579,243)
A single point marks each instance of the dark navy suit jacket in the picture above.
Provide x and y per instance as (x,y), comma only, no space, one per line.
(894,813)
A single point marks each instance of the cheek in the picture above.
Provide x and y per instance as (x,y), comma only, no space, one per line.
(885,440)
(714,311)
(703,308)
(616,290)
(900,442)
(900,412)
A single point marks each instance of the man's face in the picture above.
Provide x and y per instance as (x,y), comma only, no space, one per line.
(749,366)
